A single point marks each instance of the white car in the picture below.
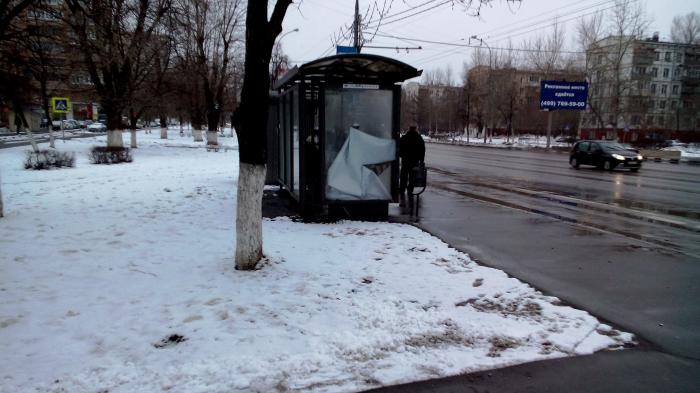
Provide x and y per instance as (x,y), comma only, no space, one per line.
(97,127)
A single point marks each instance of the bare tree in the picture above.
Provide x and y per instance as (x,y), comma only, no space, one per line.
(250,121)
(209,33)
(589,30)
(10,11)
(114,37)
(608,58)
(545,56)
(545,50)
(686,29)
(279,63)
(36,50)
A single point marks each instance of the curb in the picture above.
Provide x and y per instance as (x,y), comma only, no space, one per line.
(560,150)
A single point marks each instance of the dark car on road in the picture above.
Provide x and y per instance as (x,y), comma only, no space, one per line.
(606,155)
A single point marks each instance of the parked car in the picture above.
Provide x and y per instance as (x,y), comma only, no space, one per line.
(67,125)
(85,123)
(606,155)
(671,143)
(97,127)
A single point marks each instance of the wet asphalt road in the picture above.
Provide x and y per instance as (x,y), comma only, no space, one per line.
(624,246)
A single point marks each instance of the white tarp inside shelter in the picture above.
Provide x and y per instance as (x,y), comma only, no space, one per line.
(349,177)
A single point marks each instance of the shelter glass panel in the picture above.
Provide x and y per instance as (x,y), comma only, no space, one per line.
(359,147)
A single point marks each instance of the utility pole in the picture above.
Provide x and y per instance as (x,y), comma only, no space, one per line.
(356,26)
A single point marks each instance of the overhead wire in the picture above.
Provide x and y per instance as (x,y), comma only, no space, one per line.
(544,20)
(557,21)
(469,45)
(570,12)
(384,23)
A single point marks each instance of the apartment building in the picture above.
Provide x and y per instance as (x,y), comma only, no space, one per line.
(642,89)
(506,97)
(51,66)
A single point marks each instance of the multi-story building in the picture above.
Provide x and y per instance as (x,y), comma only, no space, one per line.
(51,67)
(505,97)
(642,89)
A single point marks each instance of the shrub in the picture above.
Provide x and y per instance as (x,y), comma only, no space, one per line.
(47,159)
(110,155)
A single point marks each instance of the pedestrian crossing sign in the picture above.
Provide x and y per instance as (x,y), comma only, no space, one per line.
(60,104)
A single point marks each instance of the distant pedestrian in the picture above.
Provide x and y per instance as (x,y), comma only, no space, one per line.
(412,152)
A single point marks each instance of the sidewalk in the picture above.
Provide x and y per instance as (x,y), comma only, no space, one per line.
(646,368)
(12,139)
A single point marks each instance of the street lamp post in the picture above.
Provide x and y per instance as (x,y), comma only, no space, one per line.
(276,65)
(285,34)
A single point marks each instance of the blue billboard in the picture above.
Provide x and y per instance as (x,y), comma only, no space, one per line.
(557,95)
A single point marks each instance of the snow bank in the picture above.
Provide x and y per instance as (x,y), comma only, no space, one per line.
(120,278)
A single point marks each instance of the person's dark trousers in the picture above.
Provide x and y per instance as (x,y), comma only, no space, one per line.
(404,185)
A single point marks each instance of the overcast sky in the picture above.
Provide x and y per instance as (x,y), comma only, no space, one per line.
(319,20)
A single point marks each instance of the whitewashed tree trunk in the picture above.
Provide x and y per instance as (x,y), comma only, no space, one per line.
(163,133)
(133,139)
(114,138)
(35,147)
(212,138)
(51,138)
(197,135)
(251,181)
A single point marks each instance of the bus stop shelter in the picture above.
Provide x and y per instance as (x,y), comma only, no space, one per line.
(336,135)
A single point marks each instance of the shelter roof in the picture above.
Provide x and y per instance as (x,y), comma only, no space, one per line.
(351,67)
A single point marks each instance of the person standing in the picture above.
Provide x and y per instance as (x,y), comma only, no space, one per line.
(412,152)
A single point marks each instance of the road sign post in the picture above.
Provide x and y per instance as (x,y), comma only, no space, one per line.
(561,95)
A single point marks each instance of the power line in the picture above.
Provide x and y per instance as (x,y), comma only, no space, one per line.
(400,12)
(384,23)
(518,32)
(469,45)
(599,3)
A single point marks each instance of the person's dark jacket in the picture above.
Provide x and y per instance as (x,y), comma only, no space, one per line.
(411,148)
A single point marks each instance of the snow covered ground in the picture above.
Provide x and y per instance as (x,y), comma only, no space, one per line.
(689,152)
(119,278)
(523,141)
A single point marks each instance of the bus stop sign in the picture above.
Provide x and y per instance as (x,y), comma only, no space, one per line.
(557,95)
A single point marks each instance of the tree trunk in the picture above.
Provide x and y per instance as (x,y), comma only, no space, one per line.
(163,126)
(212,138)
(197,133)
(32,141)
(251,180)
(133,139)
(47,113)
(114,138)
(250,121)
(114,127)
